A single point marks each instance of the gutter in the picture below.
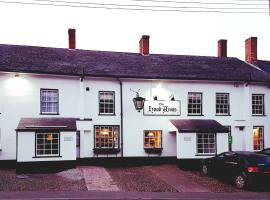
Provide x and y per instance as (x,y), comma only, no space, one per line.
(121,115)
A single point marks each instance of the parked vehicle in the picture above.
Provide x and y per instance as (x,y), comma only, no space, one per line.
(265,151)
(244,168)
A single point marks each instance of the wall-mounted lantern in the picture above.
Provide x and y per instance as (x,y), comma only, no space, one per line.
(138,101)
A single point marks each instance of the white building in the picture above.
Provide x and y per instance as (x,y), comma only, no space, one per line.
(67,104)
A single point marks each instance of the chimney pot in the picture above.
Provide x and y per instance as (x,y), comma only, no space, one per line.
(144,45)
(72,38)
(222,48)
(251,49)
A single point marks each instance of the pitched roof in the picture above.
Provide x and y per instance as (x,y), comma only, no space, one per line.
(45,60)
(198,126)
(264,65)
(47,124)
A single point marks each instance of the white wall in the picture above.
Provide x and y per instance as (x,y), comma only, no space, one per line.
(21,98)
(26,147)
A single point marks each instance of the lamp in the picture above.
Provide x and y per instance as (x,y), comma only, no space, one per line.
(138,101)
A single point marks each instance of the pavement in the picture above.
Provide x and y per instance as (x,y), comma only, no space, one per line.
(98,179)
(133,195)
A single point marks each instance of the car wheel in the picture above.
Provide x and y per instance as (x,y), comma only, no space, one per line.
(240,181)
(205,170)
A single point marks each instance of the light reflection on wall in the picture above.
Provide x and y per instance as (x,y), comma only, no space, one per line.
(160,92)
(16,86)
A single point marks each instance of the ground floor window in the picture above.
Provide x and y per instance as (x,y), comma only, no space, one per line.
(47,144)
(258,138)
(106,137)
(152,139)
(206,143)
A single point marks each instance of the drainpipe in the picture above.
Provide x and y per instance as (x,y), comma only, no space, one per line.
(121,115)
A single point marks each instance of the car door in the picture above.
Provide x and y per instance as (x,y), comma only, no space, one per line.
(231,164)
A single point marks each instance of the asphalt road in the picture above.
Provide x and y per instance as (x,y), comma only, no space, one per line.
(134,195)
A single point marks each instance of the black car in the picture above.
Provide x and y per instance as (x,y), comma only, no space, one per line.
(244,168)
(265,151)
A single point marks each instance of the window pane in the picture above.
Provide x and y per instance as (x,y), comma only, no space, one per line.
(47,144)
(257,104)
(206,143)
(194,103)
(106,102)
(106,137)
(49,101)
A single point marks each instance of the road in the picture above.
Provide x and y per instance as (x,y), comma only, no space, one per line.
(133,195)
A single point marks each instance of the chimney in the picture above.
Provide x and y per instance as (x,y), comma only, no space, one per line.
(251,49)
(222,48)
(144,45)
(71,38)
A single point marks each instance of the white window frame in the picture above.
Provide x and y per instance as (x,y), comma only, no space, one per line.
(258,105)
(112,136)
(260,145)
(222,103)
(204,142)
(147,137)
(105,105)
(45,144)
(49,102)
(194,105)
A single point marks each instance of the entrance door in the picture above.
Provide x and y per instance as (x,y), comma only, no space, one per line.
(78,144)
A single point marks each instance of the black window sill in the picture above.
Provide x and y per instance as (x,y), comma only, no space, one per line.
(49,113)
(194,115)
(223,115)
(153,150)
(205,154)
(106,151)
(47,157)
(258,115)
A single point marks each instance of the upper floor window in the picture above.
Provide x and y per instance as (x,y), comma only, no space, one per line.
(106,103)
(206,143)
(47,144)
(49,101)
(222,104)
(258,138)
(194,103)
(257,104)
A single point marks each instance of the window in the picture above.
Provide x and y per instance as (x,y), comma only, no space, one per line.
(49,101)
(106,103)
(152,139)
(47,144)
(107,137)
(222,104)
(194,103)
(258,138)
(257,104)
(206,143)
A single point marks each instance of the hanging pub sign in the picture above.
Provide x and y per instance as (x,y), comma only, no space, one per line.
(170,108)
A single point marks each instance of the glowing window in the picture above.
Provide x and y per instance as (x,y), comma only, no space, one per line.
(258,138)
(107,137)
(47,144)
(152,139)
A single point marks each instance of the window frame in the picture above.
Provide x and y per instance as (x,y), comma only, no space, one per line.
(49,113)
(106,114)
(262,144)
(263,105)
(228,105)
(113,149)
(201,104)
(215,144)
(47,155)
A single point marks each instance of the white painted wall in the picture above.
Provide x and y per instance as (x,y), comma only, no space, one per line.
(26,147)
(21,98)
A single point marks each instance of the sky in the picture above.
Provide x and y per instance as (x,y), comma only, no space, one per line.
(178,33)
